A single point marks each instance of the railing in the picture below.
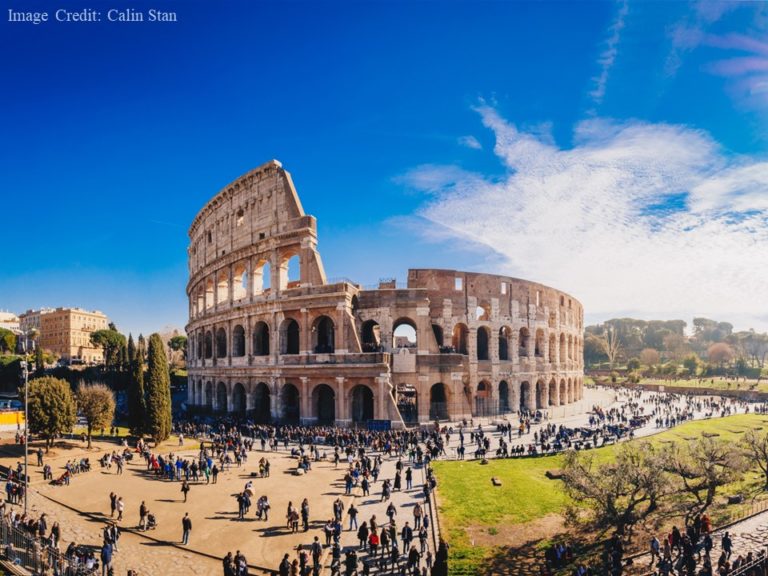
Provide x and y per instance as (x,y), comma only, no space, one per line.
(756,567)
(39,556)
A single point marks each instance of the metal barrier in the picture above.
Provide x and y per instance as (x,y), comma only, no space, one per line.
(757,567)
(37,555)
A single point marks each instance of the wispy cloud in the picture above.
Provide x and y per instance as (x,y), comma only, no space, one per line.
(609,53)
(746,67)
(689,32)
(470,142)
(651,219)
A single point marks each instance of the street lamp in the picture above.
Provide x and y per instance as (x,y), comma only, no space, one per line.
(25,373)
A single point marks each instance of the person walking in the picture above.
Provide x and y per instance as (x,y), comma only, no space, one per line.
(120,508)
(186,526)
(352,512)
(185,489)
(106,558)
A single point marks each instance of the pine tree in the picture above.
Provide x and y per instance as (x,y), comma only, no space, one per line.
(137,405)
(39,360)
(158,391)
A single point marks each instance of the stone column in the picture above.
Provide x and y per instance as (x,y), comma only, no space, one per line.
(383,392)
(305,335)
(341,404)
(304,400)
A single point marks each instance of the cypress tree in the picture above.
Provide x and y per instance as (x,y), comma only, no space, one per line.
(158,391)
(137,406)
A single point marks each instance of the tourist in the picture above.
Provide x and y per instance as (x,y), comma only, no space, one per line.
(186,527)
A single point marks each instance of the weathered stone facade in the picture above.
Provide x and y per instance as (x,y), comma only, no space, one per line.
(449,345)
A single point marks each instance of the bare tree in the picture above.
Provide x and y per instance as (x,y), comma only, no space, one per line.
(755,446)
(612,345)
(701,467)
(650,357)
(620,493)
(720,354)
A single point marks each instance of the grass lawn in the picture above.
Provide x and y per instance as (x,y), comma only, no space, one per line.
(469,501)
(712,383)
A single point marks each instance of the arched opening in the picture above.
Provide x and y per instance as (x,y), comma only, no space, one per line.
(324,400)
(289,404)
(438,402)
(553,392)
(323,335)
(208,344)
(238,341)
(569,391)
(221,397)
(261,339)
(221,343)
(524,342)
(199,346)
(362,403)
(262,277)
(503,397)
(290,272)
(208,293)
(437,330)
(460,337)
(483,312)
(407,403)
(262,404)
(563,351)
(541,394)
(404,333)
(552,348)
(504,336)
(290,337)
(483,335)
(525,396)
(239,282)
(483,399)
(200,394)
(209,396)
(238,400)
(539,344)
(570,347)
(222,287)
(563,393)
(371,334)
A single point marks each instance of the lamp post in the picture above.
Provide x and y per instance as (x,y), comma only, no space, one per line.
(25,373)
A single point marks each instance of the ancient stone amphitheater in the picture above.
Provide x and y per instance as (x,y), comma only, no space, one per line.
(272,338)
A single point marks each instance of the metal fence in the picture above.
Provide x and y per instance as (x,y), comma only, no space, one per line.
(37,555)
(757,567)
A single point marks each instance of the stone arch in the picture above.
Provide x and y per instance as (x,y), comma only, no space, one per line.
(262,277)
(552,348)
(200,398)
(504,405)
(563,349)
(483,338)
(289,336)
(221,397)
(408,403)
(538,347)
(483,398)
(505,337)
(361,400)
(524,343)
(209,396)
(371,336)
(239,281)
(404,333)
(222,286)
(238,341)
(290,269)
(262,403)
(208,344)
(209,291)
(541,394)
(460,338)
(483,312)
(438,402)
(260,339)
(199,342)
(563,398)
(569,391)
(323,335)
(570,347)
(290,406)
(239,400)
(221,343)
(526,396)
(324,402)
(553,392)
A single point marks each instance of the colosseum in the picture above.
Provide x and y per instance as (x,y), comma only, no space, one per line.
(272,338)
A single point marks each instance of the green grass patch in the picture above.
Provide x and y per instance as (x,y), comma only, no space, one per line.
(468,499)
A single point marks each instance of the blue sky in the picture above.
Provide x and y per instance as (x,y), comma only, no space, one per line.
(613,149)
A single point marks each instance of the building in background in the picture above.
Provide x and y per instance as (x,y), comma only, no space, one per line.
(9,321)
(66,332)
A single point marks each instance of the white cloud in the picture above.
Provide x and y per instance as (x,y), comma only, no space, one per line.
(652,219)
(470,142)
(609,53)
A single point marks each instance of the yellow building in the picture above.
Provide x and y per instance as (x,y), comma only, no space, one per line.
(66,332)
